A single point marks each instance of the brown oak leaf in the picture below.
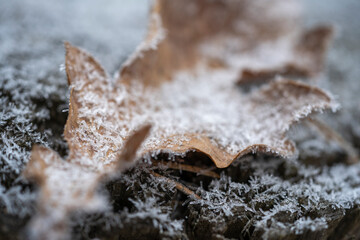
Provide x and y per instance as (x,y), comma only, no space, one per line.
(182,81)
(304,59)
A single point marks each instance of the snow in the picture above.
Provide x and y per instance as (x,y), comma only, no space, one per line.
(31,52)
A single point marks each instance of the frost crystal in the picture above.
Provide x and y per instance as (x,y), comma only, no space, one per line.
(34,94)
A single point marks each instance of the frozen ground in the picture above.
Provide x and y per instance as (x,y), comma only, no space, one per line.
(260,198)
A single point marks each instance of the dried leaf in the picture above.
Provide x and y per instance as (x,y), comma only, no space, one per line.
(305,59)
(182,81)
(226,32)
(228,123)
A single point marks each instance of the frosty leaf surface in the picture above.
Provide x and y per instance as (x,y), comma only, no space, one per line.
(171,83)
(182,80)
(228,123)
(304,59)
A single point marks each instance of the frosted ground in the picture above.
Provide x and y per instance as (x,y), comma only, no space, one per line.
(250,199)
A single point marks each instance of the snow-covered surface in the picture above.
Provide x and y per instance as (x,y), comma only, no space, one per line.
(33,82)
(103,113)
(32,79)
(335,188)
(31,51)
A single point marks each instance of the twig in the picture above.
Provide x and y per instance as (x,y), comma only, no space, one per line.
(188,168)
(178,185)
(330,133)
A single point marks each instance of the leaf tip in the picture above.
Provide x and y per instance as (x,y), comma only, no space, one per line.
(131,146)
